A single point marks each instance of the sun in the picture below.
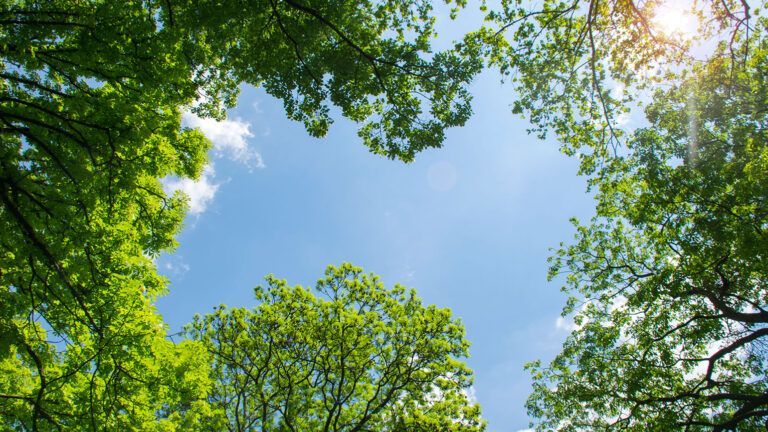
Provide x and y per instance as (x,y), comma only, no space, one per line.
(673,20)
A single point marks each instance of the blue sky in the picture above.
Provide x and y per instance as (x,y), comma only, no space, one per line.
(470,226)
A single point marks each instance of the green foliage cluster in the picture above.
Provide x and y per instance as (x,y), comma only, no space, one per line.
(354,356)
(91,96)
(672,272)
(579,66)
(668,281)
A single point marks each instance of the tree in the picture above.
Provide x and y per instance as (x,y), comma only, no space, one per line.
(579,66)
(669,281)
(355,356)
(90,106)
(89,120)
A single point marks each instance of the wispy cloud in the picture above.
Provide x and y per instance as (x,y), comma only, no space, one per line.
(200,191)
(230,141)
(229,138)
(174,265)
(471,394)
(565,324)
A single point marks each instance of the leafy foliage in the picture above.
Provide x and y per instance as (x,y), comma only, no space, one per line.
(372,60)
(90,109)
(89,121)
(669,281)
(578,66)
(356,356)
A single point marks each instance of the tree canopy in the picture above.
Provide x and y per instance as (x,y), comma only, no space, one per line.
(350,356)
(91,96)
(671,318)
(578,66)
(668,281)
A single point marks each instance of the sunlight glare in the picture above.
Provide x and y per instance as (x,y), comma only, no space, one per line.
(672,19)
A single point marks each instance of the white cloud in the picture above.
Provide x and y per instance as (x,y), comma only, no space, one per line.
(565,324)
(229,138)
(175,265)
(619,302)
(569,324)
(471,394)
(200,192)
(617,92)
(622,119)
